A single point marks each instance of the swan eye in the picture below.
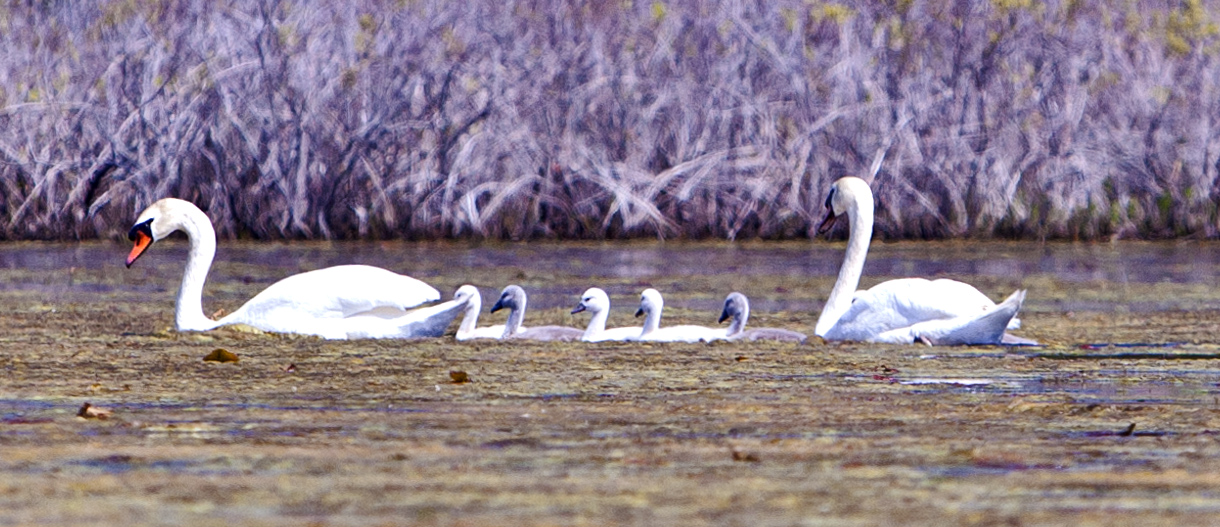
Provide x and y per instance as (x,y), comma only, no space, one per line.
(142,227)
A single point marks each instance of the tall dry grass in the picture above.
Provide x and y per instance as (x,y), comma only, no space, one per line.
(557,119)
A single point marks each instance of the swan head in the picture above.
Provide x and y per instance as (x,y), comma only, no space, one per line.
(468,295)
(735,306)
(512,297)
(159,220)
(846,195)
(650,302)
(594,300)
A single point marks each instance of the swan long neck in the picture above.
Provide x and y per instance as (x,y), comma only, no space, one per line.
(860,223)
(597,324)
(188,312)
(516,316)
(470,317)
(652,320)
(737,324)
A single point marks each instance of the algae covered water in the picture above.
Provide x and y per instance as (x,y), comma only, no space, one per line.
(1114,420)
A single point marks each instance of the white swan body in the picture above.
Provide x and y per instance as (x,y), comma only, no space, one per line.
(470,318)
(737,311)
(597,303)
(326,302)
(513,298)
(651,305)
(944,312)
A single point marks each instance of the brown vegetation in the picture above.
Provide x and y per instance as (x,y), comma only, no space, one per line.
(557,119)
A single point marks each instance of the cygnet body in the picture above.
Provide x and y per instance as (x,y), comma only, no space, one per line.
(514,299)
(597,303)
(651,305)
(737,311)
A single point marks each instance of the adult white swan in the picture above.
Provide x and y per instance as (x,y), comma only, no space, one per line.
(942,312)
(597,303)
(331,303)
(737,311)
(651,304)
(513,299)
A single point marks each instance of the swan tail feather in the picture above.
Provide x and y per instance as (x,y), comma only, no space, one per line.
(986,329)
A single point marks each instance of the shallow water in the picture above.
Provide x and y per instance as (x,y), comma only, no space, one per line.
(1114,420)
(1106,277)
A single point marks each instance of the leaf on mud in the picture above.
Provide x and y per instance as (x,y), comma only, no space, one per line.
(741,358)
(88,411)
(221,355)
(291,368)
(746,457)
(459,376)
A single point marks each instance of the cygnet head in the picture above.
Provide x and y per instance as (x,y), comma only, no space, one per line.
(735,305)
(161,219)
(511,298)
(469,294)
(594,300)
(845,194)
(650,302)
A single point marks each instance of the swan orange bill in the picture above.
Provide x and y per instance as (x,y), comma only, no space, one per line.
(142,242)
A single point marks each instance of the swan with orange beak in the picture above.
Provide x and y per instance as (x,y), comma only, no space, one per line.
(346,301)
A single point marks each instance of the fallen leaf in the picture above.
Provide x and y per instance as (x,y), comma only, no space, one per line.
(291,368)
(459,376)
(88,411)
(221,355)
(747,457)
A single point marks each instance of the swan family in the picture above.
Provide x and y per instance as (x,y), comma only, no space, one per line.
(360,301)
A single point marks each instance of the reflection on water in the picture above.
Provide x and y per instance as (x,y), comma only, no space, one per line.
(793,276)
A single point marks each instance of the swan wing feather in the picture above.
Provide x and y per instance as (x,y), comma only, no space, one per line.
(339,292)
(901,303)
(686,333)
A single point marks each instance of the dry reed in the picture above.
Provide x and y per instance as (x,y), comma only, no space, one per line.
(556,119)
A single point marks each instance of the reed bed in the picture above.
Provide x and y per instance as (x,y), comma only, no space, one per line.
(514,119)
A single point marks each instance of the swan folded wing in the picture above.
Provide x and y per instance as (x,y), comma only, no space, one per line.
(427,322)
(686,333)
(343,291)
(626,333)
(901,303)
(553,333)
(487,332)
(987,328)
(957,299)
(783,335)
